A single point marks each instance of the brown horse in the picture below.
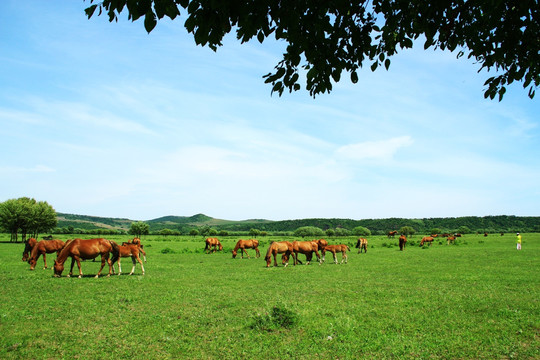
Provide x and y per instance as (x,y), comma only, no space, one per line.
(392,233)
(212,245)
(137,241)
(44,247)
(322,243)
(402,242)
(361,244)
(28,246)
(426,239)
(334,249)
(279,247)
(246,244)
(127,250)
(79,249)
(451,240)
(307,248)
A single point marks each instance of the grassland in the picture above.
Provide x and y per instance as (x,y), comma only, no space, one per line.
(475,300)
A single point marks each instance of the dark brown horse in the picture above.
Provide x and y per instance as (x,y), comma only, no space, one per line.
(361,244)
(426,239)
(44,247)
(127,250)
(79,249)
(212,244)
(335,249)
(246,244)
(402,242)
(28,246)
(392,233)
(278,247)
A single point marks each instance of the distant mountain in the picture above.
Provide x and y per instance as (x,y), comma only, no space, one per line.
(490,224)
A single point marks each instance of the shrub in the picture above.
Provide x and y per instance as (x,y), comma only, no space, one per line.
(167,251)
(279,317)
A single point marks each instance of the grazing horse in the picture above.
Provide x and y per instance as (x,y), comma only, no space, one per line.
(246,244)
(44,247)
(127,250)
(79,249)
(28,246)
(402,242)
(361,244)
(279,247)
(334,249)
(392,233)
(212,244)
(450,240)
(485,234)
(307,248)
(426,239)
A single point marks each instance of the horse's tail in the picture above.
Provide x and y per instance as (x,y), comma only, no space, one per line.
(115,249)
(348,249)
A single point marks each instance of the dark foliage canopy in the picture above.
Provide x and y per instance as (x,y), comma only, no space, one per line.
(328,37)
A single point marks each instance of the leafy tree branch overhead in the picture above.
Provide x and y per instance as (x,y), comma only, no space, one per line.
(326,38)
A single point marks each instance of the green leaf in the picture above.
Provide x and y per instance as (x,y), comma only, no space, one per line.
(150,21)
(387,63)
(374,66)
(354,77)
(90,11)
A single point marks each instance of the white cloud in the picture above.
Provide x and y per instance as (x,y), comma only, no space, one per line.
(375,150)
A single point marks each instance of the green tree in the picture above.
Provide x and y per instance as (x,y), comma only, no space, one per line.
(361,231)
(165,232)
(326,38)
(139,228)
(27,216)
(254,232)
(330,232)
(407,231)
(193,232)
(342,232)
(464,230)
(435,231)
(308,231)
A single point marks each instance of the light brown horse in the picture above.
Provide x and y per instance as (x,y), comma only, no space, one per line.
(246,244)
(79,249)
(450,240)
(361,244)
(137,241)
(335,249)
(322,243)
(402,242)
(392,233)
(278,247)
(28,246)
(128,250)
(44,247)
(212,244)
(426,239)
(307,248)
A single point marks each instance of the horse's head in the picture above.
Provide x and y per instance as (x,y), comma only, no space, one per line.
(58,268)
(234,252)
(220,246)
(32,263)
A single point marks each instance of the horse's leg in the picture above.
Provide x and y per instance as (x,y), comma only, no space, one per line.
(104,259)
(140,262)
(79,266)
(246,252)
(71,268)
(133,268)
(257,252)
(344,257)
(275,255)
(119,266)
(335,257)
(143,253)
(44,261)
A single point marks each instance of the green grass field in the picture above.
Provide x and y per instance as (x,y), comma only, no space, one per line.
(475,300)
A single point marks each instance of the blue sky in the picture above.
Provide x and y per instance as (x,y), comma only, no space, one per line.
(104,119)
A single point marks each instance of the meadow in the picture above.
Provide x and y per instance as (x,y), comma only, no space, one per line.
(478,299)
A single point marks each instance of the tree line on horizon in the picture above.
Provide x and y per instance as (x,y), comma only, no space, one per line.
(28,217)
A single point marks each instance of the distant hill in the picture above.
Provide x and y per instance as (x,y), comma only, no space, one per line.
(490,224)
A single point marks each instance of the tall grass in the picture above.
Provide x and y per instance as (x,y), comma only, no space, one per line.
(476,300)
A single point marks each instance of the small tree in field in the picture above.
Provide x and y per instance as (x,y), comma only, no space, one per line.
(361,231)
(407,231)
(193,232)
(308,231)
(139,228)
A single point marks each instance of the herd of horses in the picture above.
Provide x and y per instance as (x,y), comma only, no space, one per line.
(83,249)
(90,249)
